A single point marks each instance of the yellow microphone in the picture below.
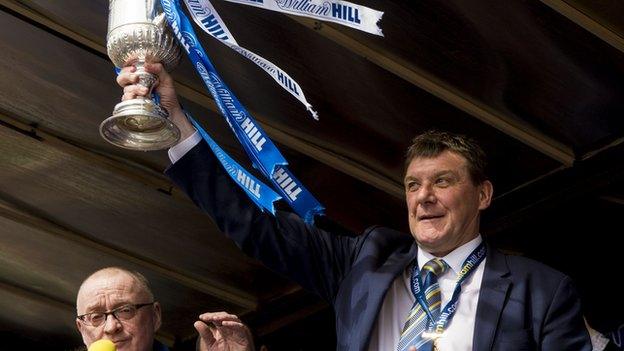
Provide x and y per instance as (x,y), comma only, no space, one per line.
(103,345)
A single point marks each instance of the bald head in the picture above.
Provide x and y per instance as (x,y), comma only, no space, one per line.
(104,275)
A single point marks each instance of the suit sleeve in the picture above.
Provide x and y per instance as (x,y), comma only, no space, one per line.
(564,328)
(316,259)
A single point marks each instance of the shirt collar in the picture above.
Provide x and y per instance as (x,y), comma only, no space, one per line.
(455,259)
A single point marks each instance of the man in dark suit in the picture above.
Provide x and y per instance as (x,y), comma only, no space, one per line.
(442,287)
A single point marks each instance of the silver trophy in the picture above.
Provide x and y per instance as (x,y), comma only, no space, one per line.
(138,33)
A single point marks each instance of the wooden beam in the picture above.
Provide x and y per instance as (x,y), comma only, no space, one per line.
(28,294)
(588,23)
(126,168)
(604,148)
(290,137)
(146,176)
(613,199)
(513,127)
(20,213)
(584,180)
(45,20)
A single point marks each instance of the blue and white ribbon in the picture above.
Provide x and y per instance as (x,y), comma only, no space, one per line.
(261,194)
(207,18)
(260,149)
(341,12)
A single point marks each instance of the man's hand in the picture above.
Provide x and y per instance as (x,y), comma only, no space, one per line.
(221,331)
(164,87)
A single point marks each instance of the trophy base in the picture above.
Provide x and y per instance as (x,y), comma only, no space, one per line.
(140,124)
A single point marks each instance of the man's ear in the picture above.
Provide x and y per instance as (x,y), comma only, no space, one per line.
(157,316)
(79,326)
(486,190)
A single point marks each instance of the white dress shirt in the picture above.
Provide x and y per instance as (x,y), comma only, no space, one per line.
(180,149)
(399,300)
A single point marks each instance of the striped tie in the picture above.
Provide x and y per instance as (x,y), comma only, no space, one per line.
(417,320)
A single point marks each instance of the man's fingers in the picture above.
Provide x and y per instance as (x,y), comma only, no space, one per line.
(127,78)
(133,91)
(218,317)
(155,68)
(233,324)
(205,332)
(127,69)
(127,74)
(159,70)
(164,86)
(137,90)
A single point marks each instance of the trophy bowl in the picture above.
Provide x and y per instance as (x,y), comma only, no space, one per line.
(138,34)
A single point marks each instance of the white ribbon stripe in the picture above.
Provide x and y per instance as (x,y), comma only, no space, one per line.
(341,12)
(207,18)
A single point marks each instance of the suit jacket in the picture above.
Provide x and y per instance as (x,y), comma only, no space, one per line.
(159,346)
(523,305)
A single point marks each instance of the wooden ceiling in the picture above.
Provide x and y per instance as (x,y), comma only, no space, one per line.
(538,83)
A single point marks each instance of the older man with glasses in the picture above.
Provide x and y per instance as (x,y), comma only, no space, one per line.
(118,305)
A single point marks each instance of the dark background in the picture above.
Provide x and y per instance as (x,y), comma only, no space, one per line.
(537,83)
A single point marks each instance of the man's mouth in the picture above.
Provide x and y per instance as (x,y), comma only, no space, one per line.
(429,217)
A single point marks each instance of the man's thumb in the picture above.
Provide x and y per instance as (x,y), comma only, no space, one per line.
(205,333)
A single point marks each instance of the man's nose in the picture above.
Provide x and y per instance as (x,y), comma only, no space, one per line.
(112,325)
(425,194)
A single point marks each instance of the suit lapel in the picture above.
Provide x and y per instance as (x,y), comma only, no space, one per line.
(492,296)
(383,278)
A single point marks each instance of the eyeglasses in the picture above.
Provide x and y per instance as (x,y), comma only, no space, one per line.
(122,313)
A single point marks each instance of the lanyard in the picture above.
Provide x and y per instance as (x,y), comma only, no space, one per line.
(468,267)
